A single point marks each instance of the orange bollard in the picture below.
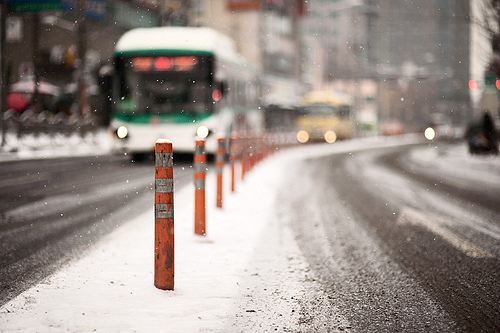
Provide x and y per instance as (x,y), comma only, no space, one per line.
(233,157)
(244,157)
(164,215)
(219,166)
(200,162)
(251,159)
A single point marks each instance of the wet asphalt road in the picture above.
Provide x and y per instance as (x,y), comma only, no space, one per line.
(397,247)
(52,210)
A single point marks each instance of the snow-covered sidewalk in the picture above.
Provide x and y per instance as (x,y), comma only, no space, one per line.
(111,288)
(247,274)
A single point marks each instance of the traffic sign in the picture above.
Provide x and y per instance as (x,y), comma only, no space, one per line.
(490,79)
(34,5)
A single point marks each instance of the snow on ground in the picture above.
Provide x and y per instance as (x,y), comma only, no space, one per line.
(111,289)
(455,161)
(46,146)
(247,274)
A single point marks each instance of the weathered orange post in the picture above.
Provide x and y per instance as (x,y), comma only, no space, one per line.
(164,215)
(244,149)
(200,163)
(233,158)
(219,166)
(251,154)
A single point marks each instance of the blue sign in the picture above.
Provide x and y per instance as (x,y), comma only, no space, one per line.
(94,9)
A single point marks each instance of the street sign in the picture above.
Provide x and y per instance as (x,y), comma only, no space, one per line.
(490,79)
(94,9)
(34,5)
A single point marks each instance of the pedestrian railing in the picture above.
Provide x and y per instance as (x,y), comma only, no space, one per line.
(31,123)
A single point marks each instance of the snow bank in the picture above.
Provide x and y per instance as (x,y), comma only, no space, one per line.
(46,146)
(111,289)
(455,161)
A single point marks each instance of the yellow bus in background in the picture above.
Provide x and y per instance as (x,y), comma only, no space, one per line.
(324,117)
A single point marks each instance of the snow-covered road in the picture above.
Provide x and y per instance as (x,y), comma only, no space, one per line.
(317,239)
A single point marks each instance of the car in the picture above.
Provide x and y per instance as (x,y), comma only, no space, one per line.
(478,141)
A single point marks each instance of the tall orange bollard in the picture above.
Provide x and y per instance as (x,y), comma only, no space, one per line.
(200,164)
(219,166)
(251,154)
(164,215)
(244,150)
(233,157)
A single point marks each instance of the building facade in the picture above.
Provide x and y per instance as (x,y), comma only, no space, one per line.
(402,60)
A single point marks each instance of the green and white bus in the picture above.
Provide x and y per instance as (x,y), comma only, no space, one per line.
(180,83)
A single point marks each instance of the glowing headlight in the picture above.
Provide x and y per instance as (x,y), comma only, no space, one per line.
(202,132)
(122,132)
(330,136)
(429,133)
(302,136)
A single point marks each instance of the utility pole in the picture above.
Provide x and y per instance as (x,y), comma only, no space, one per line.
(81,47)
(3,69)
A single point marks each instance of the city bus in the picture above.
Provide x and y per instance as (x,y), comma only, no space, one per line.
(181,83)
(324,117)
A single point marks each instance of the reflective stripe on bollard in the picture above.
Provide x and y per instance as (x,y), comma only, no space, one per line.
(200,164)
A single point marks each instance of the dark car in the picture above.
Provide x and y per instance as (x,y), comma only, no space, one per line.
(481,136)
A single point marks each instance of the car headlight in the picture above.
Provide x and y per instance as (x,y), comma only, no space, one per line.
(430,133)
(122,132)
(302,136)
(202,132)
(330,136)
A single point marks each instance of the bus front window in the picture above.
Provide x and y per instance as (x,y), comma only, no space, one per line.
(320,110)
(180,84)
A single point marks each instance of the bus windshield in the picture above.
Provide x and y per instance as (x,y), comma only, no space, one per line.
(320,109)
(342,111)
(165,84)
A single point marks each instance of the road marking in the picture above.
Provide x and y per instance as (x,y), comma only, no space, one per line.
(436,224)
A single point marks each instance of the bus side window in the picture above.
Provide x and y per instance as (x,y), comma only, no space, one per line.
(250,93)
(241,94)
(232,92)
(122,81)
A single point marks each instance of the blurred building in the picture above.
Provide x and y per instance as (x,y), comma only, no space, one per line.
(239,20)
(267,33)
(484,95)
(106,21)
(402,60)
(47,43)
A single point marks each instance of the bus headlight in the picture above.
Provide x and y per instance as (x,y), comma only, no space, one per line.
(330,136)
(302,136)
(202,132)
(122,132)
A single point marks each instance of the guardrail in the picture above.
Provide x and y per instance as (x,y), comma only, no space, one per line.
(46,122)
